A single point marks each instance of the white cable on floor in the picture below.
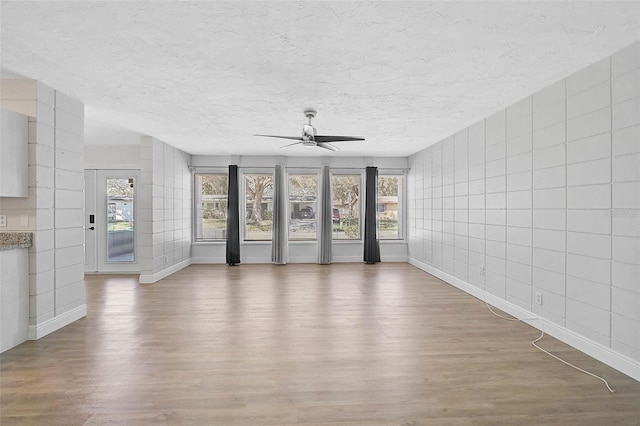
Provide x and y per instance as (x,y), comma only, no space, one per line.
(534,343)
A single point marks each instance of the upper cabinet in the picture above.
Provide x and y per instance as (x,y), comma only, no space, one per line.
(14,153)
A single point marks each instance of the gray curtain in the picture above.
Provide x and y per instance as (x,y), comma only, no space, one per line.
(279,236)
(325,219)
(233,218)
(371,243)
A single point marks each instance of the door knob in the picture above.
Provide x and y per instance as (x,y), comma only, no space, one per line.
(92,228)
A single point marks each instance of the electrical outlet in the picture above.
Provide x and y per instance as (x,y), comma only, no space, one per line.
(482,270)
(538,298)
(3,220)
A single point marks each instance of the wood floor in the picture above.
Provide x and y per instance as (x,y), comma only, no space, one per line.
(344,344)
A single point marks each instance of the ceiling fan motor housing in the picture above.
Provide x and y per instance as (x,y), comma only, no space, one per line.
(308,135)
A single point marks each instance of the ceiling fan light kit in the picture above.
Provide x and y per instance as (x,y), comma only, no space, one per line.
(311,139)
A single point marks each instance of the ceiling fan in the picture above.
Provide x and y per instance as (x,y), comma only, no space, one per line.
(309,137)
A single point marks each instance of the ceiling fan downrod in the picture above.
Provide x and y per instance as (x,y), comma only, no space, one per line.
(310,113)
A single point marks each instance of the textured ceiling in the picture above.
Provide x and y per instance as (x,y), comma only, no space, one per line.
(205,76)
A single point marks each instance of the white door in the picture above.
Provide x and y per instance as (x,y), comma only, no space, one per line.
(115,233)
(90,258)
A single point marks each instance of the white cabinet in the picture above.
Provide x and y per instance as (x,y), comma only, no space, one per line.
(14,297)
(14,154)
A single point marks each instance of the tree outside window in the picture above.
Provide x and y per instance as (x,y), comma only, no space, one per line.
(210,206)
(258,207)
(345,206)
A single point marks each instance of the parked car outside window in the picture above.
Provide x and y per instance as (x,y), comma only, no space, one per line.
(306,213)
(335,216)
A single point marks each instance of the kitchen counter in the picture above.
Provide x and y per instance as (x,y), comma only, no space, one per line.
(15,240)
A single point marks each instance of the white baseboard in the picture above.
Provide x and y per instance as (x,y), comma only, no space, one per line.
(308,259)
(35,332)
(208,260)
(347,259)
(254,260)
(394,259)
(305,259)
(153,278)
(600,352)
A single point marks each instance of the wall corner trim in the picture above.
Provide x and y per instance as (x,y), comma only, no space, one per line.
(38,331)
(600,352)
(153,278)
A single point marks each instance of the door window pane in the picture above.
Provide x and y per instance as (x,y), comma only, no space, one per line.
(120,231)
(345,206)
(258,207)
(210,206)
(303,196)
(389,207)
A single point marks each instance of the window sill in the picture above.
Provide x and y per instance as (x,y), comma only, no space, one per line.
(207,243)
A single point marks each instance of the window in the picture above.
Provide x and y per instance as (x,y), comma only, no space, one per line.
(120,220)
(389,207)
(210,206)
(258,190)
(303,196)
(345,206)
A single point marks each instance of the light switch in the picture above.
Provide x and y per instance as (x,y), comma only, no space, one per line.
(3,220)
(24,220)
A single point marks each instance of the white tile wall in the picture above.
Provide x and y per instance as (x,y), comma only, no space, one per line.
(165,206)
(553,203)
(589,268)
(625,209)
(554,177)
(589,77)
(590,124)
(55,203)
(589,197)
(549,136)
(589,221)
(626,140)
(589,173)
(593,245)
(590,148)
(549,260)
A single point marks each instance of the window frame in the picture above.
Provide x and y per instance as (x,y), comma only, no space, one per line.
(402,205)
(243,204)
(361,207)
(302,172)
(196,208)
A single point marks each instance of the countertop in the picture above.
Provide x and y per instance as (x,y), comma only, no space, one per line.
(15,240)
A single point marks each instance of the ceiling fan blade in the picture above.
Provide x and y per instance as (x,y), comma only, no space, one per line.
(319,138)
(291,144)
(296,138)
(327,145)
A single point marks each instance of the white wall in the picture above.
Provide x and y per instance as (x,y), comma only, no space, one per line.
(544,197)
(54,206)
(112,157)
(299,251)
(165,209)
